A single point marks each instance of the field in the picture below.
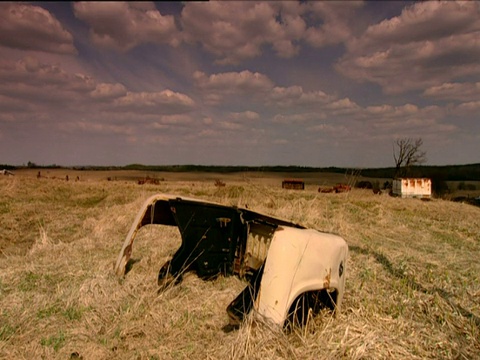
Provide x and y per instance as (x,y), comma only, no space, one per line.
(413,275)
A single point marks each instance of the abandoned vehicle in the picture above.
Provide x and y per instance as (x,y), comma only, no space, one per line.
(289,269)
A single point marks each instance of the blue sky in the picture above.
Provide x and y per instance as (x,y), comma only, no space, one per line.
(320,83)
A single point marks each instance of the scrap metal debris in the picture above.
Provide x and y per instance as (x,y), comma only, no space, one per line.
(282,262)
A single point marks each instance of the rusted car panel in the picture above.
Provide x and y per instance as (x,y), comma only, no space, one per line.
(280,260)
(296,184)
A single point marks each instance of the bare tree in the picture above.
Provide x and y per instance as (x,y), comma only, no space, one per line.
(406,153)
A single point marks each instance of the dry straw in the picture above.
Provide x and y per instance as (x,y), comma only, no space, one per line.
(412,276)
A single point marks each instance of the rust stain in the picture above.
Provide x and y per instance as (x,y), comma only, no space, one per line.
(326,280)
(128,251)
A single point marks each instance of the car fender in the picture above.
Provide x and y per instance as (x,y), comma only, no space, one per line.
(300,260)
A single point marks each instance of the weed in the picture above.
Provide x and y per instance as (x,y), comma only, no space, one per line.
(55,341)
(75,312)
(6,331)
(29,282)
(4,208)
(48,311)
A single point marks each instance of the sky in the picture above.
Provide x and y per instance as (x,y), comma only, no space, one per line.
(310,83)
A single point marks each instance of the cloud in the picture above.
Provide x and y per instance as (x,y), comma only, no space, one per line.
(125,25)
(207,120)
(392,111)
(29,27)
(342,106)
(96,128)
(234,82)
(105,91)
(406,120)
(471,107)
(216,87)
(428,44)
(235,31)
(177,119)
(295,96)
(30,80)
(328,129)
(231,31)
(336,19)
(229,125)
(244,116)
(29,85)
(164,102)
(454,91)
(12,106)
(281,141)
(297,118)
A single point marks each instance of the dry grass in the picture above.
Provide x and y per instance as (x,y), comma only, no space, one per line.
(413,289)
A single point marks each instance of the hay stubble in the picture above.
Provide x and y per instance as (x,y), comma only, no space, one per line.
(412,278)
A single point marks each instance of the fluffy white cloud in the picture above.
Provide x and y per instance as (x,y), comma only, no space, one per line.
(30,27)
(218,86)
(235,31)
(232,31)
(428,44)
(471,107)
(124,25)
(105,91)
(30,71)
(29,86)
(35,82)
(392,111)
(342,106)
(235,82)
(295,96)
(257,87)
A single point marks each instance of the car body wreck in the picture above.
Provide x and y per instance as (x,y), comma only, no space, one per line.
(290,270)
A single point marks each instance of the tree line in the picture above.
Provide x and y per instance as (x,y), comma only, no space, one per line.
(408,157)
(470,172)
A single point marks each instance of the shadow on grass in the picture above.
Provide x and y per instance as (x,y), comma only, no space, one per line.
(410,282)
(129,265)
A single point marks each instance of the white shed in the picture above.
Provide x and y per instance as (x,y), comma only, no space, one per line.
(412,187)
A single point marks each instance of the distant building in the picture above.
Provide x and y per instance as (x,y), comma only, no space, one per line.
(412,187)
(296,184)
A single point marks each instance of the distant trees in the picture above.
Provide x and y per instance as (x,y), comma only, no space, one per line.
(407,152)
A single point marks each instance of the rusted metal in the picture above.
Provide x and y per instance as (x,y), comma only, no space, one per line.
(148,180)
(279,259)
(338,188)
(326,280)
(295,184)
(219,183)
